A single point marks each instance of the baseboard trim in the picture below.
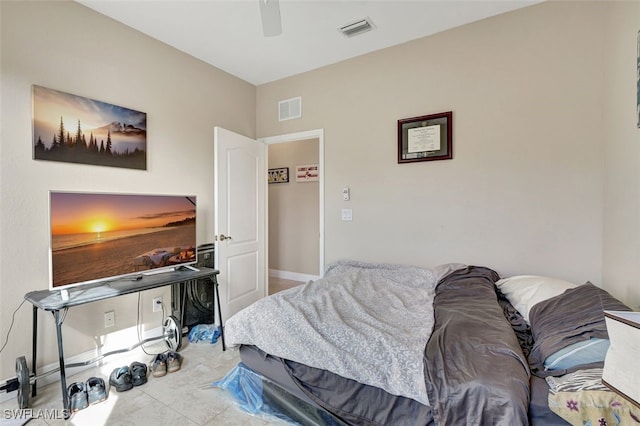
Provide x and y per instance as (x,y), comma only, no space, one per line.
(294,276)
(90,354)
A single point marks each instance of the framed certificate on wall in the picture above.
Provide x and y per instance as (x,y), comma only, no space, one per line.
(425,138)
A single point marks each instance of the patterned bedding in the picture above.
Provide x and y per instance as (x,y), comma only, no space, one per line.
(366,322)
(581,399)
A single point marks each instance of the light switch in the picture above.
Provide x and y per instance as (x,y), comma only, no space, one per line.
(345,194)
(347,214)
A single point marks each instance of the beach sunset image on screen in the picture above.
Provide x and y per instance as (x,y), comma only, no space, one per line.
(100,236)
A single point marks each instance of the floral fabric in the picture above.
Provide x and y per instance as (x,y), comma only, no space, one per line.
(594,408)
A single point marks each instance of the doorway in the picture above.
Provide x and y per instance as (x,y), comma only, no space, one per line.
(296,246)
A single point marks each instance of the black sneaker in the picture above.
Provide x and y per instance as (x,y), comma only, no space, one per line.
(77,396)
(121,379)
(174,360)
(96,390)
(138,373)
(159,365)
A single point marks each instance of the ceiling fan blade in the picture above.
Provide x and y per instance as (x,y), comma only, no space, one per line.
(271,22)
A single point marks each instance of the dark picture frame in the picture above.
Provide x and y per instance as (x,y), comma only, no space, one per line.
(425,138)
(279,175)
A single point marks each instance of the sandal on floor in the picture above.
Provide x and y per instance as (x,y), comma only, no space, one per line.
(121,379)
(138,373)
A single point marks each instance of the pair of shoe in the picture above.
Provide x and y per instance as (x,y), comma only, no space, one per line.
(164,363)
(83,394)
(124,378)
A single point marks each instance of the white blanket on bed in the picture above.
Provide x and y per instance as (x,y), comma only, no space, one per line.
(366,322)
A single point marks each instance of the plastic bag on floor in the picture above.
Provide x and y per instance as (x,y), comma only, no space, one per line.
(207,333)
(245,387)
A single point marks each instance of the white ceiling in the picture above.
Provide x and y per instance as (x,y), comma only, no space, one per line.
(228,33)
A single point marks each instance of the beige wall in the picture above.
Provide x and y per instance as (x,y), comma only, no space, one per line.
(621,265)
(294,211)
(66,46)
(524,192)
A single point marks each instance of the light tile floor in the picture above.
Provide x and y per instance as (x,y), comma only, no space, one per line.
(184,397)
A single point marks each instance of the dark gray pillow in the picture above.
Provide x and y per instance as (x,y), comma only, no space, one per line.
(573,316)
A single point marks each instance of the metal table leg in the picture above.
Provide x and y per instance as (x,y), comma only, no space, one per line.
(215,283)
(34,349)
(63,376)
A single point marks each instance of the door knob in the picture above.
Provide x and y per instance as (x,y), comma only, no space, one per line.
(224,237)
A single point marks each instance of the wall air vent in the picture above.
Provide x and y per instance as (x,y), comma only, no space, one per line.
(358,27)
(290,109)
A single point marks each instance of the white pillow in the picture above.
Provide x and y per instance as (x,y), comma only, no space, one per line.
(524,291)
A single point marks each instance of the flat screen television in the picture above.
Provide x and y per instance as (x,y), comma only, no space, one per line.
(99,237)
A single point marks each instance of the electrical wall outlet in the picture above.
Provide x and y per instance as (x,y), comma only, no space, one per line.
(109,319)
(157,304)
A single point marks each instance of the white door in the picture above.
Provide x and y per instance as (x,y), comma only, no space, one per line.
(240,183)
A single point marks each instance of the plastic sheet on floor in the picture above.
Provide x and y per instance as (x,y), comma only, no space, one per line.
(244,386)
(260,397)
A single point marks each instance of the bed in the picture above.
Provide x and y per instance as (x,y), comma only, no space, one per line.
(381,344)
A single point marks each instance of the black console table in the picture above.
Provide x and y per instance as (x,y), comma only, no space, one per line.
(53,302)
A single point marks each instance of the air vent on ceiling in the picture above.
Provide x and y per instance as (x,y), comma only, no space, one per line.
(290,109)
(358,27)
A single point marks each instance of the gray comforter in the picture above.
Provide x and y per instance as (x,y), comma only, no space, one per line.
(475,371)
